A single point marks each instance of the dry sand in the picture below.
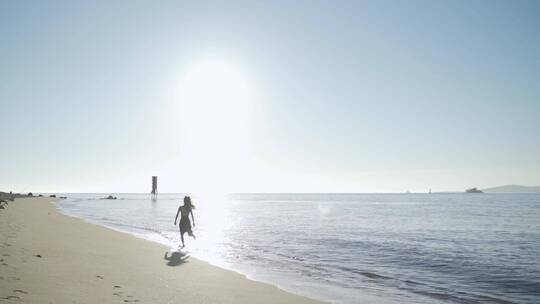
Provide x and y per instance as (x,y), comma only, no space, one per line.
(47,257)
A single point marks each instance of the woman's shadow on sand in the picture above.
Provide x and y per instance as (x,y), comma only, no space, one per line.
(176,258)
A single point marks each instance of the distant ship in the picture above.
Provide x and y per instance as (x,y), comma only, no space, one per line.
(473,190)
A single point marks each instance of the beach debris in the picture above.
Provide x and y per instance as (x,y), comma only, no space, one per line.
(37,255)
(110,197)
(52,195)
(99,277)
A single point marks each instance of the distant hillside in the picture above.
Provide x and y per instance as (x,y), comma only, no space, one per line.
(513,189)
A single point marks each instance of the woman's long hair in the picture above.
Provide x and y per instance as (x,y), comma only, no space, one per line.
(188,203)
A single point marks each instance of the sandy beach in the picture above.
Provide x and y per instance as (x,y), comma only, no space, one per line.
(47,257)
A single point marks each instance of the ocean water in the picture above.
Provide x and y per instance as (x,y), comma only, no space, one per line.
(352,248)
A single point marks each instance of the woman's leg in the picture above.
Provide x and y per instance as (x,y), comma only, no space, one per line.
(181,234)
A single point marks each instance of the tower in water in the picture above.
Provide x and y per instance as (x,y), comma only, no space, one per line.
(154,186)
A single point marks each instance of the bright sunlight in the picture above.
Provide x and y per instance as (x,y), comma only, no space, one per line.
(214,104)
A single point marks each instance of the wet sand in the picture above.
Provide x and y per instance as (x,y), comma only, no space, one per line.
(47,257)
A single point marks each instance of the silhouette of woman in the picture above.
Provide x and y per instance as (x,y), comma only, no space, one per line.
(185,224)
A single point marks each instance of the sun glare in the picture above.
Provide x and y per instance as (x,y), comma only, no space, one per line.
(214,104)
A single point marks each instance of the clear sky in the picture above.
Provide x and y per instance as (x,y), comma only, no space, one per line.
(269,96)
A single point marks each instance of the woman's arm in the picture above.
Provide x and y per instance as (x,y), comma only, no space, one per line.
(193,218)
(176,218)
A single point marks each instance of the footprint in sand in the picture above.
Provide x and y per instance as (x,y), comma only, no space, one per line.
(131,300)
(37,255)
(20,291)
(119,294)
(99,277)
(11,298)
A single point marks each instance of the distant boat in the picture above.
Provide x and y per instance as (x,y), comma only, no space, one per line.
(473,190)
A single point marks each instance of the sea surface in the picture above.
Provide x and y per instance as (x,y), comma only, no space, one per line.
(351,248)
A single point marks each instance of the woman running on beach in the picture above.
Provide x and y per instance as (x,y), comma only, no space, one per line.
(185,224)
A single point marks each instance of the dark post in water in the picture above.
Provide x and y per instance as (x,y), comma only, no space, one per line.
(154,186)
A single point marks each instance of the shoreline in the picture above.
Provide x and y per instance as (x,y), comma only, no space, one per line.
(304,289)
(60,258)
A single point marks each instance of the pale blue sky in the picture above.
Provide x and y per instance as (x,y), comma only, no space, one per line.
(360,96)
